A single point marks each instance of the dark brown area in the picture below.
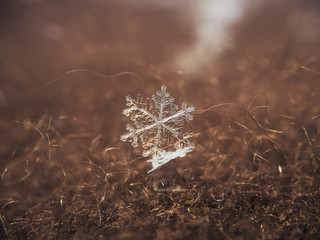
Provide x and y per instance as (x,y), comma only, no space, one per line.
(66,175)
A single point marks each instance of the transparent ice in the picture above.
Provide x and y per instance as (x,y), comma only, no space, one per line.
(159,126)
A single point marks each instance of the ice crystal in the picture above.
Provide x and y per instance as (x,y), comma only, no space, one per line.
(159,125)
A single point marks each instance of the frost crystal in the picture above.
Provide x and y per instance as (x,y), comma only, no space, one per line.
(159,125)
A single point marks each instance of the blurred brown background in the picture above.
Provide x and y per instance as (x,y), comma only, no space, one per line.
(66,67)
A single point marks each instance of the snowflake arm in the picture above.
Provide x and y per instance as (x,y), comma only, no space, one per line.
(167,157)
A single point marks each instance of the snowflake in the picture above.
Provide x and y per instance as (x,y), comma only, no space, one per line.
(159,124)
